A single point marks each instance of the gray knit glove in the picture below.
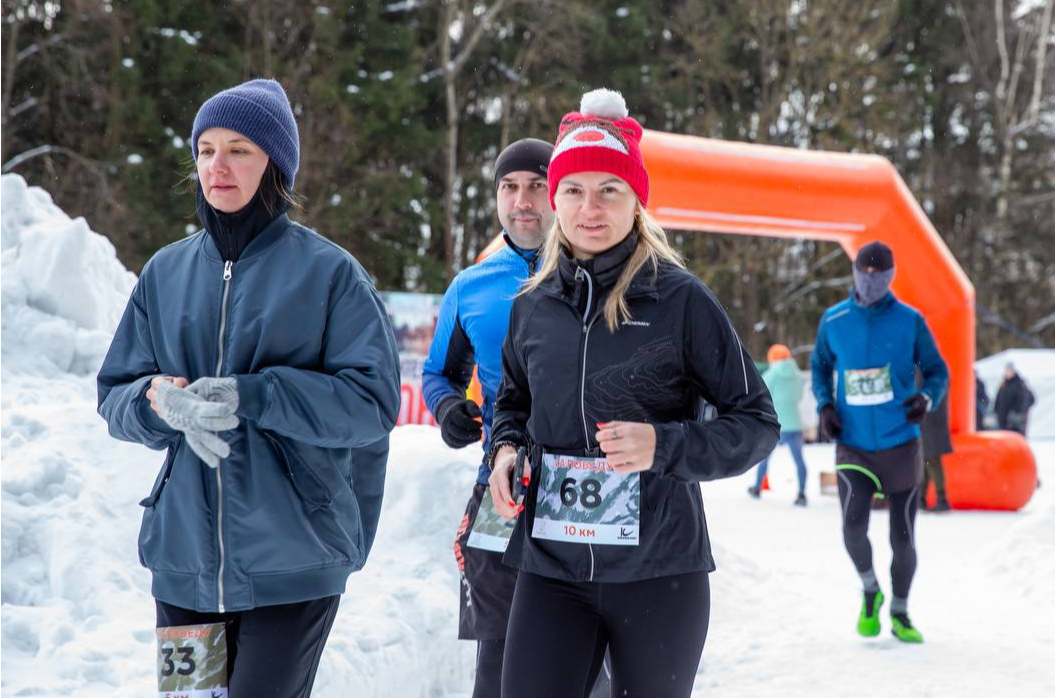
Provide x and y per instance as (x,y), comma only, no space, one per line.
(220,390)
(198,419)
(208,446)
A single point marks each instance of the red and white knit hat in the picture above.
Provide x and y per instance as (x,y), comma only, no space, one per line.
(600,137)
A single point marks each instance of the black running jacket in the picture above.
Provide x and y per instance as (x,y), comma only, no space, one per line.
(563,372)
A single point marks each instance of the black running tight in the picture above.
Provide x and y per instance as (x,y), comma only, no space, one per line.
(855,495)
(654,630)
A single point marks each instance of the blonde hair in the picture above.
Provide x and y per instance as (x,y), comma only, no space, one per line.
(652,248)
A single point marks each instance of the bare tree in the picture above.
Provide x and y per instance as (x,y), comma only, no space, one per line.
(1013,116)
(456,18)
(14,17)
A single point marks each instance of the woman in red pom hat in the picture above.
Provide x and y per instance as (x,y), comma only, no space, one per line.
(613,351)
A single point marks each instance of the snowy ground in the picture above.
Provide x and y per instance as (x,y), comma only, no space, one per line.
(77,617)
(77,612)
(786,597)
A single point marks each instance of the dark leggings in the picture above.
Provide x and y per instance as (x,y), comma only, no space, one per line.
(933,472)
(271,650)
(855,493)
(654,631)
(489,672)
(488,668)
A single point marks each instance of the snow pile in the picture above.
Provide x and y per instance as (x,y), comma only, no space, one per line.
(63,288)
(396,633)
(76,605)
(1037,368)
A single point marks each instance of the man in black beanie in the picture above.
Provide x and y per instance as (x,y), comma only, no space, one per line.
(520,182)
(874,344)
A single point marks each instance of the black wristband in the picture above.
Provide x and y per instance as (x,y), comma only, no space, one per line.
(493,452)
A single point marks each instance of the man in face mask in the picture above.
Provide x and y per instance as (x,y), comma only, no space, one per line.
(873,272)
(864,378)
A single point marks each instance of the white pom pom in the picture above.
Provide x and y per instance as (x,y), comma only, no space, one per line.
(608,104)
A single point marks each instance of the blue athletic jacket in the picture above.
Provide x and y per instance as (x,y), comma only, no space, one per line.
(875,350)
(473,321)
(293,510)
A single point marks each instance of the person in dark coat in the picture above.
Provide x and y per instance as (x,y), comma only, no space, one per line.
(1013,401)
(981,403)
(259,356)
(936,443)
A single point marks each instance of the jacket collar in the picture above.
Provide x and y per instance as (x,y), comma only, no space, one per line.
(530,257)
(233,233)
(260,243)
(604,269)
(876,308)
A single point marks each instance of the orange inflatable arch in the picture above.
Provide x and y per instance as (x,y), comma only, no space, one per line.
(725,187)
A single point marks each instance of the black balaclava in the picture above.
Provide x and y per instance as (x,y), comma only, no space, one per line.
(871,287)
(232,232)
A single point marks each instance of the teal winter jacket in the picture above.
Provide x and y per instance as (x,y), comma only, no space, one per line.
(786,383)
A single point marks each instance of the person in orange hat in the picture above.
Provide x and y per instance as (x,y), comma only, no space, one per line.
(786,383)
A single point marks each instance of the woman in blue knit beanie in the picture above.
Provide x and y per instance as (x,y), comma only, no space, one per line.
(246,150)
(258,355)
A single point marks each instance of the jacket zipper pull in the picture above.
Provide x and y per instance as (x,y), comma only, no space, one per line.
(580,274)
(227,270)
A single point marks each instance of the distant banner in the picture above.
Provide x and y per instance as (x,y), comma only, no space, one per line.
(413,318)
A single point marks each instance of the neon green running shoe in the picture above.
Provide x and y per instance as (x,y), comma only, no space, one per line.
(868,621)
(902,628)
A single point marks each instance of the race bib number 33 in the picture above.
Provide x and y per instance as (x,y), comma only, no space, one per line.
(583,500)
(192,661)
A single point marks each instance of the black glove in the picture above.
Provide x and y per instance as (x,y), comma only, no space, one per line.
(916,408)
(458,425)
(831,425)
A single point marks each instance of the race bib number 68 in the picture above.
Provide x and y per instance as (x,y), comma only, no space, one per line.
(583,500)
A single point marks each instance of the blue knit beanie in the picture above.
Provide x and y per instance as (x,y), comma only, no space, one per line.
(260,111)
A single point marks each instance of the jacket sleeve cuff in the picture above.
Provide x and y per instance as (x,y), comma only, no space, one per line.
(668,438)
(151,419)
(252,396)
